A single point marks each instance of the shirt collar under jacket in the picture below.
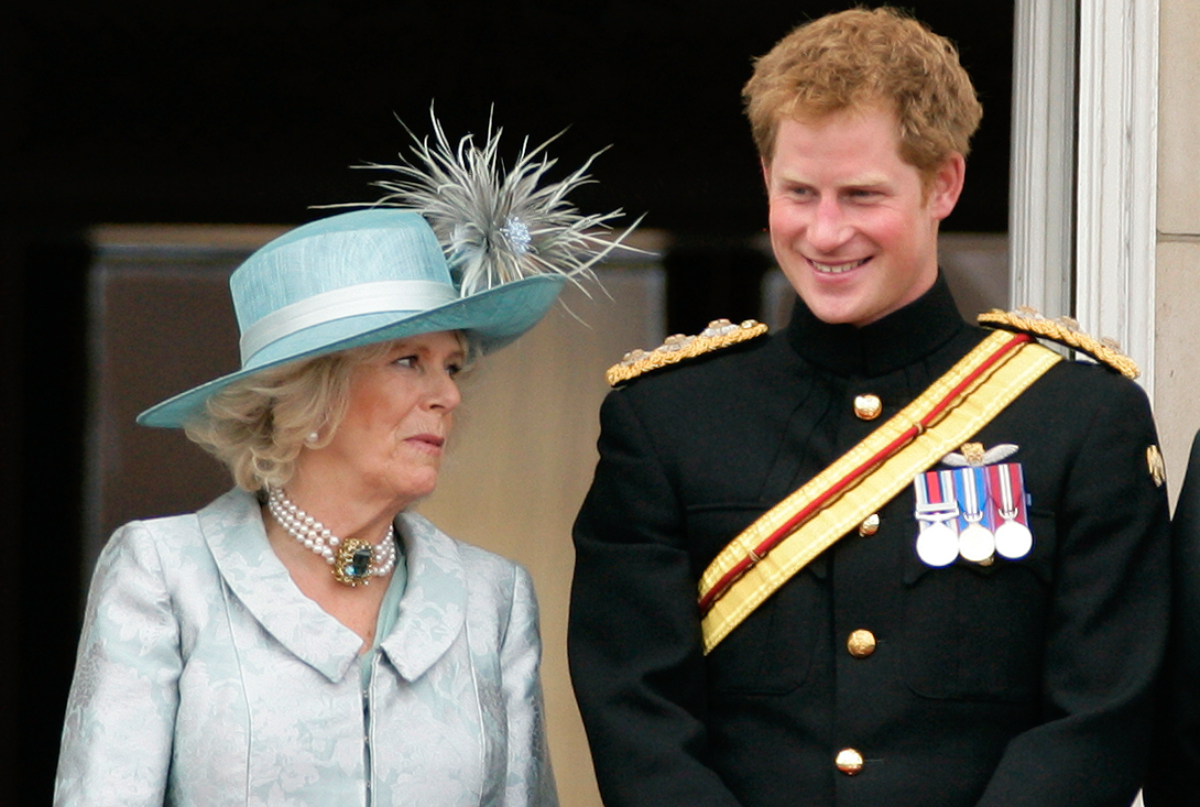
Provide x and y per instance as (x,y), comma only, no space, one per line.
(898,340)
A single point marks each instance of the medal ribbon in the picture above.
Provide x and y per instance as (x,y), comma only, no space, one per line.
(1011,506)
(935,498)
(811,519)
(969,480)
(1013,538)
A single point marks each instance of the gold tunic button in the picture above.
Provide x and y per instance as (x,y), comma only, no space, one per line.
(861,643)
(870,525)
(867,407)
(849,761)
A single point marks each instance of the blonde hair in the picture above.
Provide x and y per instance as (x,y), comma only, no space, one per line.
(855,59)
(257,425)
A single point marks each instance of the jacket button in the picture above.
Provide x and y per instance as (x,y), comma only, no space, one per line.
(849,761)
(867,407)
(870,525)
(861,643)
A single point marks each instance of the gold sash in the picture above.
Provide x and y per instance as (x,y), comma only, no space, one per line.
(810,520)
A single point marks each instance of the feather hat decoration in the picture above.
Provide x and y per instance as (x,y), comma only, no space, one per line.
(498,225)
(457,244)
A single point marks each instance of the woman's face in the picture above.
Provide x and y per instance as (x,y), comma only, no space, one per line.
(388,447)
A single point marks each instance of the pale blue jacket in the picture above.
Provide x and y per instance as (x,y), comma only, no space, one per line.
(204,677)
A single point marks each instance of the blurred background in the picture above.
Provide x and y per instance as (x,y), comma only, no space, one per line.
(148,147)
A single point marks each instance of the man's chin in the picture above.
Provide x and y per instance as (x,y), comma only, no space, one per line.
(838,312)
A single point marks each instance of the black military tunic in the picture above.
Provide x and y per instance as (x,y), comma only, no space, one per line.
(1020,683)
(1174,779)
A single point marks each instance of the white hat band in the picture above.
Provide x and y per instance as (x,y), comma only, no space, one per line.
(364,298)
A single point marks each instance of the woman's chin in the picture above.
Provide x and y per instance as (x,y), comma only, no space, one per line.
(416,490)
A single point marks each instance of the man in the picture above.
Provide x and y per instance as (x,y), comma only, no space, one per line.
(1175,761)
(978,623)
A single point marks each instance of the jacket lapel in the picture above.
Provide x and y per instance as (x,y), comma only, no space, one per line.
(233,528)
(433,608)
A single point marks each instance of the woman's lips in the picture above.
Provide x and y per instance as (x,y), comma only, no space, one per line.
(428,441)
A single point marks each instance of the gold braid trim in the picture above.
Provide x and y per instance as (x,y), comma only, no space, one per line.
(719,333)
(1064,331)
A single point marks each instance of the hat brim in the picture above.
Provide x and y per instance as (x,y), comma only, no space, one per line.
(494,318)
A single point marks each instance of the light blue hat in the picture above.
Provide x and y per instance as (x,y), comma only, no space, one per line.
(383,273)
(355,279)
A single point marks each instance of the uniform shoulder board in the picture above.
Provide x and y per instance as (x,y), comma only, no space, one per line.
(1065,331)
(719,333)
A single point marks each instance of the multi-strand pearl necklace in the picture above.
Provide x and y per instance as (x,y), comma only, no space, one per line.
(354,561)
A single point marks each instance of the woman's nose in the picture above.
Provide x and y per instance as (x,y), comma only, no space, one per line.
(443,393)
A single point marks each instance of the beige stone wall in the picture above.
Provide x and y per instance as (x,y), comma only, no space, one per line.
(1177,294)
(522,462)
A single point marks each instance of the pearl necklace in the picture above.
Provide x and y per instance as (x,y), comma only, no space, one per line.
(354,561)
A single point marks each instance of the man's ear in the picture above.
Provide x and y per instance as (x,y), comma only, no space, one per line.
(946,185)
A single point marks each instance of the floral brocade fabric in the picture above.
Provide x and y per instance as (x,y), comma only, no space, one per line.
(204,677)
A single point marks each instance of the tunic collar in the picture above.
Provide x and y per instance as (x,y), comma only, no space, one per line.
(899,339)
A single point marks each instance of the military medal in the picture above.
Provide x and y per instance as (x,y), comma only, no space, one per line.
(937,512)
(975,511)
(1013,538)
(975,542)
(937,545)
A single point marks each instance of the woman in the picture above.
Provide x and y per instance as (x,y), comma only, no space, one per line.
(305,639)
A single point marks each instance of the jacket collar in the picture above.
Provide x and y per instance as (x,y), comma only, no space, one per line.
(432,608)
(898,340)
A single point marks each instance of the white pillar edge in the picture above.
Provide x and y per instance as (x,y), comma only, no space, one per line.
(1116,189)
(1042,166)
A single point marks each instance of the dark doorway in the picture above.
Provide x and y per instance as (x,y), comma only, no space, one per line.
(251,111)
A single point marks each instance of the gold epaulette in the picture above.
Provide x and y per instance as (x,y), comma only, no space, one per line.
(719,333)
(1065,331)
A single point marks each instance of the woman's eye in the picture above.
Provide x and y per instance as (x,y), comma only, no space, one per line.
(406,361)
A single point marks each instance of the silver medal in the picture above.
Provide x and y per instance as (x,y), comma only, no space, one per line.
(1013,540)
(976,544)
(937,541)
(937,544)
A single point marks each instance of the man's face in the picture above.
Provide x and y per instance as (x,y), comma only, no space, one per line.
(852,226)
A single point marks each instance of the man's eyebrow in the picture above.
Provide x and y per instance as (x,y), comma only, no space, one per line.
(866,181)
